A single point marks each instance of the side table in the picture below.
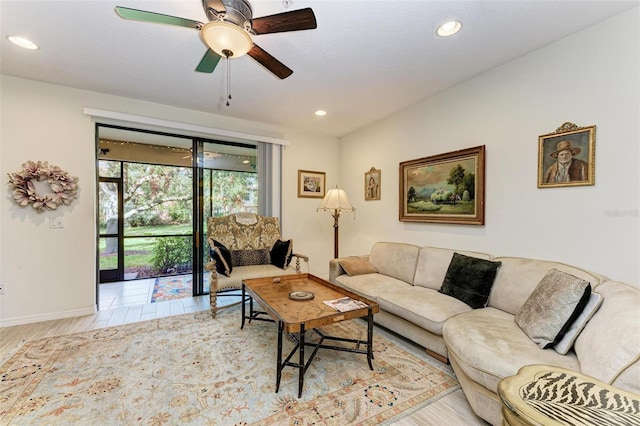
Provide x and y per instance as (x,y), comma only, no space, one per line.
(554,396)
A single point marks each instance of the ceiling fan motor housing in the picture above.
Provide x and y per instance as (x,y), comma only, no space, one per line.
(237,12)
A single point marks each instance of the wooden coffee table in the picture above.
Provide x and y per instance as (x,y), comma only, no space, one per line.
(295,317)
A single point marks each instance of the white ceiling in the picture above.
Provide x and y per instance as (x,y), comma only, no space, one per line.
(365,61)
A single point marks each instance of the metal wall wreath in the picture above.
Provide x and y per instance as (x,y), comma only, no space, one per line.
(64,187)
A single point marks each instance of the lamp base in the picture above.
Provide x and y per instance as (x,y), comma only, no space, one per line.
(336,216)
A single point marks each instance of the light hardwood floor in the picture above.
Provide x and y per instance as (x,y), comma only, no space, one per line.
(451,410)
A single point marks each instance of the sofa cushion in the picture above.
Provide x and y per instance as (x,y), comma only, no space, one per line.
(518,277)
(554,304)
(566,343)
(250,257)
(433,263)
(254,271)
(357,266)
(489,346)
(469,279)
(609,346)
(281,253)
(424,307)
(397,260)
(371,285)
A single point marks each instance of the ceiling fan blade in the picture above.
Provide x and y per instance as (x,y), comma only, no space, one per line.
(269,62)
(208,62)
(142,15)
(303,19)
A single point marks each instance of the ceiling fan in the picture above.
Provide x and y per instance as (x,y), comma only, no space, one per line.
(229,30)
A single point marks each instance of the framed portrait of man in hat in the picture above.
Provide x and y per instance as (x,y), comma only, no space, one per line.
(566,157)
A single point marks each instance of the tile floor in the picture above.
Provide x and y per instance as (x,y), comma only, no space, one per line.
(127,293)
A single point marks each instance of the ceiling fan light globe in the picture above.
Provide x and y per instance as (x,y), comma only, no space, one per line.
(223,36)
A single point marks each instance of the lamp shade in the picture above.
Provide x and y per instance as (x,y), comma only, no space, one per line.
(223,37)
(336,199)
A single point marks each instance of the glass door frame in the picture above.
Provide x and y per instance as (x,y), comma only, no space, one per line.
(199,226)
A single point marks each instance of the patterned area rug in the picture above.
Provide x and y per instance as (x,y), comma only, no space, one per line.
(171,288)
(192,369)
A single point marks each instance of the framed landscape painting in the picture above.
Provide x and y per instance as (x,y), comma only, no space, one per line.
(444,188)
(566,157)
(311,184)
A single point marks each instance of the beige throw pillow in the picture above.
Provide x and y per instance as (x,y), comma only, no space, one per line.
(357,266)
(552,307)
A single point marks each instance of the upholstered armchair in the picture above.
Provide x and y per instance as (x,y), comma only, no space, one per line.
(247,245)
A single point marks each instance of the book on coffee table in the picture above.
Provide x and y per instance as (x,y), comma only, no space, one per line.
(344,304)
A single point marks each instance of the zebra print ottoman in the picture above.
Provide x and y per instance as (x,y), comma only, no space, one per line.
(551,396)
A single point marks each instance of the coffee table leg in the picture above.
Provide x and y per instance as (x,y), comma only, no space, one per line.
(279,366)
(370,338)
(301,368)
(243,308)
(250,308)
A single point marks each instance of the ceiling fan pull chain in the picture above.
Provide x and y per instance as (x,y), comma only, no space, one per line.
(228,53)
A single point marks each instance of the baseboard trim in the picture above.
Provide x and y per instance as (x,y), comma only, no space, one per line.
(29,319)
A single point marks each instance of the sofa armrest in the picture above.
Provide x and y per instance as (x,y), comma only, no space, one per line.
(335,269)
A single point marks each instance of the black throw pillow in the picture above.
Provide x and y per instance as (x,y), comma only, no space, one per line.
(222,256)
(281,253)
(470,279)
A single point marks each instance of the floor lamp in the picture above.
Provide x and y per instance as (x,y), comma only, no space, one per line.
(335,202)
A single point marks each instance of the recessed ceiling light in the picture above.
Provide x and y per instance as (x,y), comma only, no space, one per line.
(22,42)
(449,28)
(320,113)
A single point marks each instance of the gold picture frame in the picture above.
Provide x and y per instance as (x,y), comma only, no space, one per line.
(311,184)
(567,157)
(372,184)
(444,188)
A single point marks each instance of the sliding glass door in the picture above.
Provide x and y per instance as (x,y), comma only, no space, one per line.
(155,193)
(227,183)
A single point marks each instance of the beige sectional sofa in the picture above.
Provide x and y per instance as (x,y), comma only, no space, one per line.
(486,345)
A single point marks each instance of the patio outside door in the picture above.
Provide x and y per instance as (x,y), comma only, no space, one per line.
(110,244)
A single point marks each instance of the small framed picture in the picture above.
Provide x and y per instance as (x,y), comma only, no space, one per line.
(311,184)
(566,157)
(372,182)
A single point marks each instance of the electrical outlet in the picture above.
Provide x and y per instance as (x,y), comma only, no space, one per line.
(3,288)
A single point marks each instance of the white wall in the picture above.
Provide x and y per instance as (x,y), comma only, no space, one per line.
(312,231)
(51,273)
(591,77)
